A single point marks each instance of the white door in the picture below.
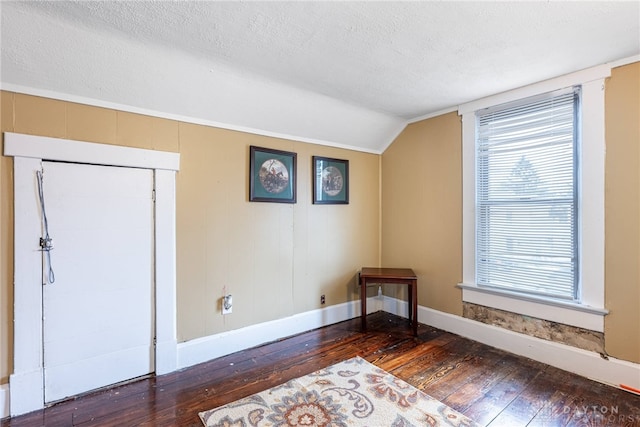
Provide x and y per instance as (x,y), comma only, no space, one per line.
(98,313)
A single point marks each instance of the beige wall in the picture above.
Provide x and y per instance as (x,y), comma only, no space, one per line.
(622,207)
(276,259)
(422,211)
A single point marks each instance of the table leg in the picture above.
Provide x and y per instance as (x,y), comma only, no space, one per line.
(414,308)
(363,303)
(410,300)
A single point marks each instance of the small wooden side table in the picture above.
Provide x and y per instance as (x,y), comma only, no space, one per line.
(400,276)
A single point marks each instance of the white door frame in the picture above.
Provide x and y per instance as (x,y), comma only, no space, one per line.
(27,381)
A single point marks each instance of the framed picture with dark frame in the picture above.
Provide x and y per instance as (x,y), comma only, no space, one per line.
(272,175)
(330,181)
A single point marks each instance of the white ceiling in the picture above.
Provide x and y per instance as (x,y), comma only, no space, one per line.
(348,74)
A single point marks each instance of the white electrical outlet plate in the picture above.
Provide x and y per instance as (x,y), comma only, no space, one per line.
(227,304)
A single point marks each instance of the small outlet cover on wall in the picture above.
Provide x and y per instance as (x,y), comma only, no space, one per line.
(322,299)
(227,304)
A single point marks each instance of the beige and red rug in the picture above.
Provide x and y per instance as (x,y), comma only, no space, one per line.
(350,393)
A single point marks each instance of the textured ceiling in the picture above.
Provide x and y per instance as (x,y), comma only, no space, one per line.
(343,73)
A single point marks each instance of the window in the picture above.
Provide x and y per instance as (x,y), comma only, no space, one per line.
(526,196)
(533,200)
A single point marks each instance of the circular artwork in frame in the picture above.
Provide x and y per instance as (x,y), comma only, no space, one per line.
(330,181)
(274,176)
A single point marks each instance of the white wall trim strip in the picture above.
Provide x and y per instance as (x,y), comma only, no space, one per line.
(625,61)
(166,318)
(432,115)
(4,400)
(42,147)
(579,77)
(585,363)
(582,362)
(213,346)
(581,316)
(27,379)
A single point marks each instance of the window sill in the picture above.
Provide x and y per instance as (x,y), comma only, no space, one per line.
(579,315)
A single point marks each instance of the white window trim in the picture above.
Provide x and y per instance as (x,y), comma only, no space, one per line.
(590,312)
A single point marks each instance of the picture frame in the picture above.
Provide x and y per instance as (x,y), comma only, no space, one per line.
(272,175)
(330,181)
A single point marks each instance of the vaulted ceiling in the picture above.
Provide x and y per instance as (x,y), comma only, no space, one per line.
(349,74)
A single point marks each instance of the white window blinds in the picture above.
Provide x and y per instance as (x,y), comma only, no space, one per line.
(526,196)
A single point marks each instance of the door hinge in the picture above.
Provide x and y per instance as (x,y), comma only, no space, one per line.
(153,195)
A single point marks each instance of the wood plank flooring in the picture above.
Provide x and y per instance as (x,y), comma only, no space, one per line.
(493,387)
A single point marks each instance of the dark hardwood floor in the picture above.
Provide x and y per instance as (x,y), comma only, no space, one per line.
(493,387)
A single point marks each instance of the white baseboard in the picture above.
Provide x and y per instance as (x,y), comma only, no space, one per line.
(585,363)
(213,346)
(4,400)
(166,356)
(27,392)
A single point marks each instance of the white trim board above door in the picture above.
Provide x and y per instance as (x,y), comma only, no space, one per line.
(26,382)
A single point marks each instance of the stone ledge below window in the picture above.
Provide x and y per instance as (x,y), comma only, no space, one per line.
(539,328)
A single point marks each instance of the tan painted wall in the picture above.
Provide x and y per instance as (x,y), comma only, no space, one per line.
(422,211)
(622,207)
(276,259)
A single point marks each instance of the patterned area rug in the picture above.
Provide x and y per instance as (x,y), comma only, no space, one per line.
(350,393)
